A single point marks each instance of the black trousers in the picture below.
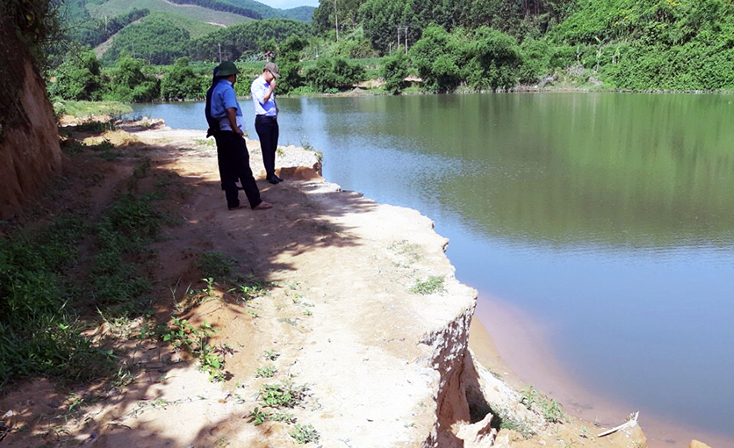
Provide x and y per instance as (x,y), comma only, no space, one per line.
(267,131)
(234,164)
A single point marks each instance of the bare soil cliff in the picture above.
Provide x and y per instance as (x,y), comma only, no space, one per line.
(29,144)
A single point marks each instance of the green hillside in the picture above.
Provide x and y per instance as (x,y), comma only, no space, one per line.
(113,8)
(194,27)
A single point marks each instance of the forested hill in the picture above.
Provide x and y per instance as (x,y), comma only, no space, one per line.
(624,44)
(91,22)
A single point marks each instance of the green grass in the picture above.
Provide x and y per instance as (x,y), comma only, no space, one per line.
(266,372)
(46,282)
(183,335)
(305,434)
(83,109)
(431,285)
(215,264)
(282,395)
(539,402)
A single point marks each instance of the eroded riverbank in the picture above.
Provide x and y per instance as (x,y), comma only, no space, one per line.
(382,360)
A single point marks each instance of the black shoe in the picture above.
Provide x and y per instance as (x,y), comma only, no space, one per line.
(273,179)
(276,176)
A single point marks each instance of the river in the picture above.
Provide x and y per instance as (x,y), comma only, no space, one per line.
(605,220)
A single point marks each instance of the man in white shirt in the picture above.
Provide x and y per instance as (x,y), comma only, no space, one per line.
(266,117)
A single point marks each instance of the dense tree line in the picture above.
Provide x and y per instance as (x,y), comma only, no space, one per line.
(221,6)
(93,32)
(156,39)
(80,77)
(384,20)
(246,38)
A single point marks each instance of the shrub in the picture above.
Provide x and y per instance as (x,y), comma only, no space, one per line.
(130,82)
(334,74)
(180,82)
(78,78)
(394,71)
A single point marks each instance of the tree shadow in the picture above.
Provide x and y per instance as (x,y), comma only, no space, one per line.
(306,217)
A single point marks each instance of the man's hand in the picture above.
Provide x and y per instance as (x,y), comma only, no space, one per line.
(232,117)
(273,83)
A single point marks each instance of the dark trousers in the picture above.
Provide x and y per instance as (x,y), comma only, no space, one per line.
(267,131)
(234,164)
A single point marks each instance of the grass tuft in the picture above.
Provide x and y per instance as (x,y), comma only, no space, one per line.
(539,402)
(305,434)
(431,285)
(215,264)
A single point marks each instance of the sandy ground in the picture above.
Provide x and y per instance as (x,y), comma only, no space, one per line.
(339,321)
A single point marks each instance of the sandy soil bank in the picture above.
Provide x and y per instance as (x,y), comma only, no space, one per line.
(361,320)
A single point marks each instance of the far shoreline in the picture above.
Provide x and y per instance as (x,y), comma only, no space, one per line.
(357,91)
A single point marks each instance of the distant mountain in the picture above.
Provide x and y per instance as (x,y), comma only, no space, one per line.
(301,13)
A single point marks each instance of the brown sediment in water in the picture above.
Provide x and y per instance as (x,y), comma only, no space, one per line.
(509,342)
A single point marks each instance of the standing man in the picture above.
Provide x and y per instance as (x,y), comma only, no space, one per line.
(266,117)
(224,115)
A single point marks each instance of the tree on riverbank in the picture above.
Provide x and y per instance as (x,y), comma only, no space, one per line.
(78,78)
(180,82)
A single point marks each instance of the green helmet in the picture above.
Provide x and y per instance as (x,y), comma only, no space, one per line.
(227,68)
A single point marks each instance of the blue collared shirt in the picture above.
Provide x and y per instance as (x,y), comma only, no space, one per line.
(223,98)
(259,89)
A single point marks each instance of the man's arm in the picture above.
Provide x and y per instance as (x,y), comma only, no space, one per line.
(260,93)
(266,98)
(232,117)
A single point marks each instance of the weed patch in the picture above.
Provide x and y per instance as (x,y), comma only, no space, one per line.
(282,395)
(257,417)
(182,335)
(431,285)
(539,402)
(215,264)
(266,372)
(54,273)
(305,434)
(39,334)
